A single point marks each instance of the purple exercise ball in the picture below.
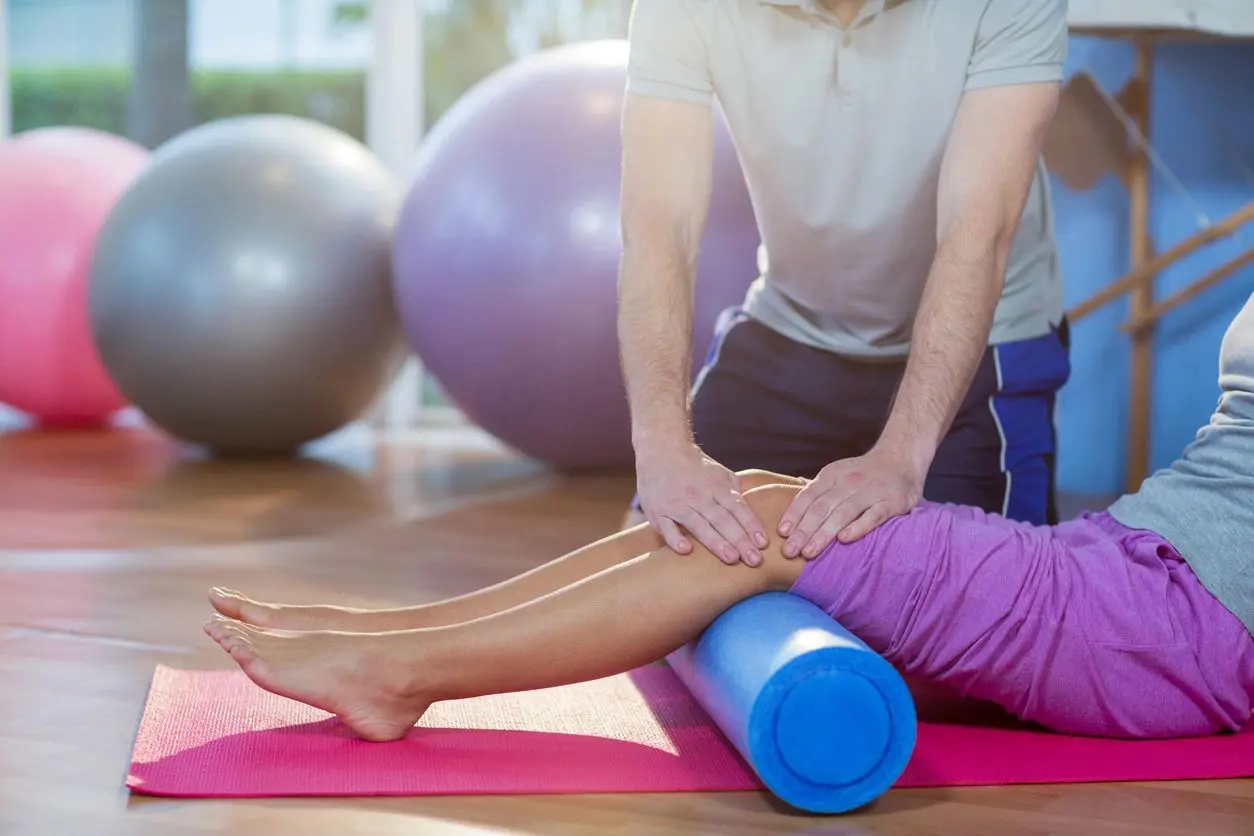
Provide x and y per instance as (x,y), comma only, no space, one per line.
(507,250)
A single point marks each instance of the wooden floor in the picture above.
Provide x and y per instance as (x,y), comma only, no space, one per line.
(108,542)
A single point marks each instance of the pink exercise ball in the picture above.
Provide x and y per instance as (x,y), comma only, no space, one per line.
(57,187)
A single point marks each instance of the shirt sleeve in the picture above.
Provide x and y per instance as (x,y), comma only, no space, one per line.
(668,56)
(1019,42)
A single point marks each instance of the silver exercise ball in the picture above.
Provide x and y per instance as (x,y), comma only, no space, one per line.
(241,288)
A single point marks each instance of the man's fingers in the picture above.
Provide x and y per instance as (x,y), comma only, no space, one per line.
(735,503)
(726,524)
(843,513)
(798,508)
(871,519)
(709,536)
(672,535)
(816,515)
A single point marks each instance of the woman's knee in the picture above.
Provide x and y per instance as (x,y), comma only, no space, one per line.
(775,572)
(753,479)
(768,503)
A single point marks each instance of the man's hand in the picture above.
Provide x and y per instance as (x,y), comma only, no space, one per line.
(849,499)
(684,487)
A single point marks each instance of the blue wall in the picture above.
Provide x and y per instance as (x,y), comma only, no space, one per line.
(1203,105)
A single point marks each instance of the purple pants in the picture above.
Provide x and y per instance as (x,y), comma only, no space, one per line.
(1085,628)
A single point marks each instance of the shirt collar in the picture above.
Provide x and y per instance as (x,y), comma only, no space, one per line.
(869,10)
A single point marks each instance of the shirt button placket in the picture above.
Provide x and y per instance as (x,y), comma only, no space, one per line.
(846,72)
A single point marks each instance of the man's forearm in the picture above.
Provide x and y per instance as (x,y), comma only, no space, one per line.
(655,339)
(950,336)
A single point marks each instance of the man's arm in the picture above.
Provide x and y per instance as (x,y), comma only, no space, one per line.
(667,164)
(668,160)
(1012,88)
(985,178)
(667,169)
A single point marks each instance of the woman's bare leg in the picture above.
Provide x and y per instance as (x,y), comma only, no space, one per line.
(540,581)
(619,618)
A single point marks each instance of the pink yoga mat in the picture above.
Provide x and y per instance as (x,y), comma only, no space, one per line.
(208,734)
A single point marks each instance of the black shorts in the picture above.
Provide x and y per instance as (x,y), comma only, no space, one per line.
(765,401)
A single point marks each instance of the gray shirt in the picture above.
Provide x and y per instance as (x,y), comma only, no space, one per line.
(1204,503)
(841,132)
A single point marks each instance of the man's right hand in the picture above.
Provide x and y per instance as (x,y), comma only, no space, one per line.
(683,490)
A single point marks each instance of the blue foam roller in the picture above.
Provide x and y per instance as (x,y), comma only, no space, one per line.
(824,721)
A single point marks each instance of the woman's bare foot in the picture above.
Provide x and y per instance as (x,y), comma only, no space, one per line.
(240,607)
(359,678)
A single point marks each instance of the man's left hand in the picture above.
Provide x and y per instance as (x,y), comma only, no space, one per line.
(849,499)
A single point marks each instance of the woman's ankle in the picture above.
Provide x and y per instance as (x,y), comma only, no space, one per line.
(406,667)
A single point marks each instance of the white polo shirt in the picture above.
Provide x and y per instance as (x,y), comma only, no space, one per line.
(841,132)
